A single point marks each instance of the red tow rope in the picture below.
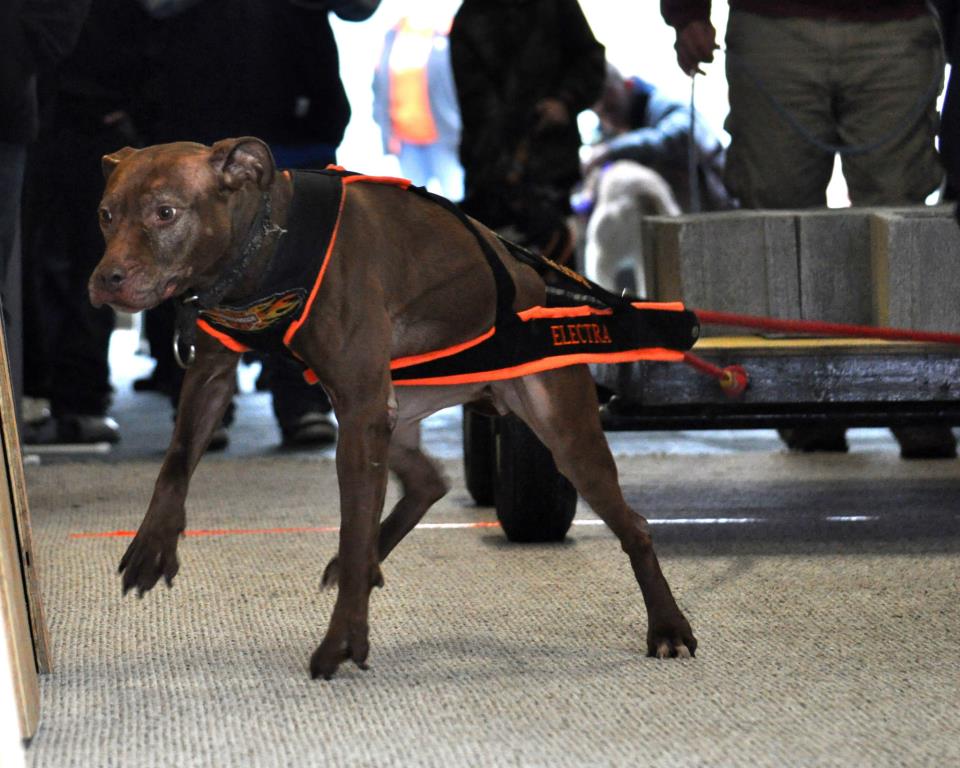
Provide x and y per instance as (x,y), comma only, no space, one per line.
(819,328)
(734,379)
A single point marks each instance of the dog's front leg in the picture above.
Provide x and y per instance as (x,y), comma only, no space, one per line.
(207,389)
(366,421)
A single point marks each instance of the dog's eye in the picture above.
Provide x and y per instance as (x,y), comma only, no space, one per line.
(166,212)
(105,216)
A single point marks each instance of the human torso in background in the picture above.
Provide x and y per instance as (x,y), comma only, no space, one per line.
(267,68)
(415,99)
(507,56)
(678,12)
(659,127)
(411,117)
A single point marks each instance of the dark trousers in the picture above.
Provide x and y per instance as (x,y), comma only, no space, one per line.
(66,340)
(12,161)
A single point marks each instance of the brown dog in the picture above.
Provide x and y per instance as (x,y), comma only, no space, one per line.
(401,278)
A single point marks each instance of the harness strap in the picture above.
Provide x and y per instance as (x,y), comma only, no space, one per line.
(506,291)
(188,308)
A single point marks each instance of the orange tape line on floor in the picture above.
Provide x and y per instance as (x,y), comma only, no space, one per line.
(252,531)
(450,526)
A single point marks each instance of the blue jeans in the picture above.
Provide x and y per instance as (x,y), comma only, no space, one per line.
(423,163)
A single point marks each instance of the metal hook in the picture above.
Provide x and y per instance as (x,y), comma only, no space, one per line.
(191,355)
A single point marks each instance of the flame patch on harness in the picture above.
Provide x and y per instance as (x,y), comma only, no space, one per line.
(259,315)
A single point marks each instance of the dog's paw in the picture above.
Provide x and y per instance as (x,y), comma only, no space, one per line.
(331,575)
(671,639)
(339,646)
(148,558)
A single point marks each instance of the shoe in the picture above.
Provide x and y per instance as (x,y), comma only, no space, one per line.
(34,410)
(81,428)
(263,380)
(310,430)
(936,442)
(39,433)
(165,385)
(220,439)
(146,384)
(815,439)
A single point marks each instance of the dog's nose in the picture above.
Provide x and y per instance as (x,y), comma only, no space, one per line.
(112,278)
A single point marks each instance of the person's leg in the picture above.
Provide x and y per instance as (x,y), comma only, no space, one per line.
(12,162)
(159,325)
(891,75)
(415,164)
(302,410)
(446,169)
(892,68)
(781,70)
(950,138)
(778,66)
(80,390)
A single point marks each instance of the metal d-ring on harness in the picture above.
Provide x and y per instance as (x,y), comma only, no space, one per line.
(188,308)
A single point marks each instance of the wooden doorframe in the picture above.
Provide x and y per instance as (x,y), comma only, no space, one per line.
(21,609)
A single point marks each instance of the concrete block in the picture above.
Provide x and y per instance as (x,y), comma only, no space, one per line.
(916,270)
(738,261)
(939,211)
(835,265)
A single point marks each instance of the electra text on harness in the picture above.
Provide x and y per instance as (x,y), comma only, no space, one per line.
(583,322)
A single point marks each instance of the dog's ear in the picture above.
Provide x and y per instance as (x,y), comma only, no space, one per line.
(111,161)
(237,161)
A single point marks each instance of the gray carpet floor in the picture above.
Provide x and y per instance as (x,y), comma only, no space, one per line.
(823,590)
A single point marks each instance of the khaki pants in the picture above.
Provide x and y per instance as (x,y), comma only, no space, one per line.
(846,83)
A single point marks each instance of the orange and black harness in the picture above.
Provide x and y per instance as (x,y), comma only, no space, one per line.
(583,323)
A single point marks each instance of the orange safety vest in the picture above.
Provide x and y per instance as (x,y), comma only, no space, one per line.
(410,116)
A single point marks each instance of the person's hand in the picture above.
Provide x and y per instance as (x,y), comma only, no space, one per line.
(695,45)
(593,156)
(551,112)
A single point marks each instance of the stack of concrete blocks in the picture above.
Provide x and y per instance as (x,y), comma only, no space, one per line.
(916,269)
(872,266)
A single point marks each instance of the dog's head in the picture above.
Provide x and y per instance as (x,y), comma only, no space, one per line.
(172,214)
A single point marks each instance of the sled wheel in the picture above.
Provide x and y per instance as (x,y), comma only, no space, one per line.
(534,501)
(479,454)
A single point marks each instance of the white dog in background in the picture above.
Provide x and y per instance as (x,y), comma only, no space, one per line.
(624,193)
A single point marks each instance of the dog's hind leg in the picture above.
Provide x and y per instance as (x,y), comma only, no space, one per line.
(422,485)
(562,409)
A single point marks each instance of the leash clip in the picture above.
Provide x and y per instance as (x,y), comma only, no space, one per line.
(190,333)
(191,354)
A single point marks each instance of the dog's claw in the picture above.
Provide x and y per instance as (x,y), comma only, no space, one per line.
(340,645)
(671,640)
(148,558)
(331,575)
